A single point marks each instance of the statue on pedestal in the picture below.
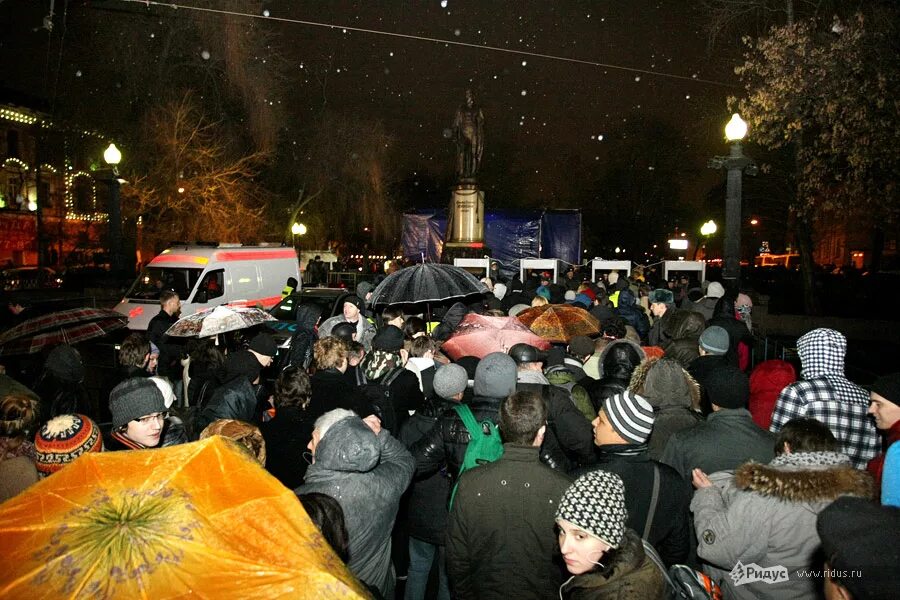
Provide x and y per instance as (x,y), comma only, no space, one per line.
(468,126)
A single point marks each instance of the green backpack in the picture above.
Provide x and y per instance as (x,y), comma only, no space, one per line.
(485,445)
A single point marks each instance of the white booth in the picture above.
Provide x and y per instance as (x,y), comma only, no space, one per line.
(609,265)
(479,267)
(540,264)
(679,266)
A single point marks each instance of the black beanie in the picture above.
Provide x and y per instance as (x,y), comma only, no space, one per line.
(263,343)
(242,363)
(389,339)
(888,387)
(727,387)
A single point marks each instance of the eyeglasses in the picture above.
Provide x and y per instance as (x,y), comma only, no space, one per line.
(154,417)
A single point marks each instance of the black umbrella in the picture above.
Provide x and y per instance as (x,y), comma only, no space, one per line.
(427,282)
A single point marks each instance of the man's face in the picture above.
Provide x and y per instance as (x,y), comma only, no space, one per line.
(604,434)
(886,413)
(351,313)
(313,443)
(658,309)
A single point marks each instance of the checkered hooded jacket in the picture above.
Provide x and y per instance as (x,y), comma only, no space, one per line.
(826,395)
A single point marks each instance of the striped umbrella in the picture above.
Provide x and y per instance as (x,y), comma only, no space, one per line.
(63,327)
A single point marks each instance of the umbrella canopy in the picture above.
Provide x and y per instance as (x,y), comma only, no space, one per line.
(559,322)
(478,335)
(220,319)
(63,327)
(426,282)
(201,519)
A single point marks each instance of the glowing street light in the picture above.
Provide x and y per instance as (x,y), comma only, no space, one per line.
(298,229)
(708,228)
(113,156)
(736,128)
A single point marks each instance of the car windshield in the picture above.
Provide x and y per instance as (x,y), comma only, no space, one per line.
(153,280)
(286,310)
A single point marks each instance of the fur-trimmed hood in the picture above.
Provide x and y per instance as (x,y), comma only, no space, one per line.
(619,359)
(805,477)
(665,384)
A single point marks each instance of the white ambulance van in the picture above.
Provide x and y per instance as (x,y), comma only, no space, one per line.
(208,275)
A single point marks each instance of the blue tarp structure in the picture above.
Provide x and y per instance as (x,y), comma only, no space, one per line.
(510,235)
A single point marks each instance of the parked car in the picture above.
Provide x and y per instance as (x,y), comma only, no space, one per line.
(330,300)
(30,278)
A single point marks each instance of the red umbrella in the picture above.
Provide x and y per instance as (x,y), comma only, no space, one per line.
(478,335)
(63,327)
(559,322)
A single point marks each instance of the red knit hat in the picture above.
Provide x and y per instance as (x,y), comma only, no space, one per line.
(63,439)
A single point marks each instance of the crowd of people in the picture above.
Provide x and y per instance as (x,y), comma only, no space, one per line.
(600,468)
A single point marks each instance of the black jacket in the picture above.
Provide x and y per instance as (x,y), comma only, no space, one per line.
(234,399)
(633,314)
(670,532)
(569,440)
(169,364)
(659,334)
(286,437)
(428,495)
(617,362)
(331,390)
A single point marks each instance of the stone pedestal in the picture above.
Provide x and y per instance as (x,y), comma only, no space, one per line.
(465,224)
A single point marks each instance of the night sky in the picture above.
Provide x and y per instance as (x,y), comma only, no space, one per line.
(550,124)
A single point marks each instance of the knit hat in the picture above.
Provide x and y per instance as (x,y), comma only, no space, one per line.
(581,345)
(241,364)
(166,388)
(135,398)
(66,437)
(263,343)
(715,340)
(888,387)
(860,537)
(364,288)
(450,380)
(389,339)
(495,376)
(661,296)
(715,290)
(595,503)
(630,415)
(727,386)
(357,302)
(546,276)
(569,296)
(65,364)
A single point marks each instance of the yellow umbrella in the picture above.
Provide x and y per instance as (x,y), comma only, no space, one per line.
(201,520)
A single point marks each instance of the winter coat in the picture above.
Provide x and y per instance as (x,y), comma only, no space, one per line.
(331,390)
(449,322)
(300,353)
(659,332)
(618,361)
(766,382)
(500,539)
(234,399)
(766,515)
(602,312)
(670,532)
(567,377)
(876,465)
(826,395)
(367,475)
(632,313)
(705,306)
(699,369)
(365,331)
(674,395)
(169,364)
(628,574)
(428,496)
(725,440)
(569,440)
(890,477)
(684,351)
(287,436)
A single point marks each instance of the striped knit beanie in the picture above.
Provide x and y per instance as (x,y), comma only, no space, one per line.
(595,503)
(630,415)
(63,439)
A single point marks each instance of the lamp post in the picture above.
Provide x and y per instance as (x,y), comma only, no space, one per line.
(706,230)
(735,164)
(297,229)
(113,157)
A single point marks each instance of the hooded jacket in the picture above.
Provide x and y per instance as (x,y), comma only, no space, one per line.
(766,382)
(365,331)
(618,361)
(367,475)
(632,313)
(629,575)
(304,337)
(827,395)
(674,395)
(766,515)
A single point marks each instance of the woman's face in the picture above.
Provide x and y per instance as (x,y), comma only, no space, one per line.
(146,430)
(579,549)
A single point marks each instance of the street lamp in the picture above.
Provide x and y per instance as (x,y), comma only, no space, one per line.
(708,228)
(297,229)
(113,157)
(734,164)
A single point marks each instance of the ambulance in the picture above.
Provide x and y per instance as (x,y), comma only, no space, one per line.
(209,275)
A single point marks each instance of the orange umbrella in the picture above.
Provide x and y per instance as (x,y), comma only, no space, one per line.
(559,322)
(201,520)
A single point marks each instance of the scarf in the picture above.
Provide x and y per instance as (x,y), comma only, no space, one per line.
(127,442)
(811,459)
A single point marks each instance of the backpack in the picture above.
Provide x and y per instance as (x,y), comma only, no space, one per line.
(683,582)
(485,445)
(378,394)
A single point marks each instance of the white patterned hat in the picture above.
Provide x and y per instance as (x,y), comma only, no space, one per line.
(595,503)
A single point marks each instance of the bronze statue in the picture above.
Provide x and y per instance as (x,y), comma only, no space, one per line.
(469,129)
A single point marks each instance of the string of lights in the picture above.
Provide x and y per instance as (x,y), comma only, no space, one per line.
(422,38)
